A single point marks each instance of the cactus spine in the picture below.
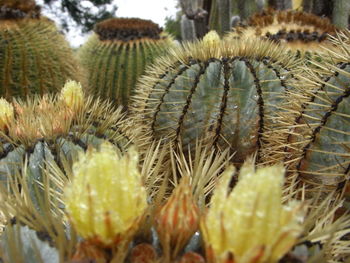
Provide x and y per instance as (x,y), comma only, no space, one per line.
(117,54)
(228,97)
(35,57)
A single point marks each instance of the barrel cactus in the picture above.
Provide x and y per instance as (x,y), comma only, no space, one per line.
(319,143)
(54,128)
(117,54)
(229,95)
(35,57)
(299,31)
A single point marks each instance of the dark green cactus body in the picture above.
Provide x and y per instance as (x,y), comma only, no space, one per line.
(116,59)
(34,58)
(324,134)
(230,100)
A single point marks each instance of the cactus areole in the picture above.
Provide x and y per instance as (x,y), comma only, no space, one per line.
(226,94)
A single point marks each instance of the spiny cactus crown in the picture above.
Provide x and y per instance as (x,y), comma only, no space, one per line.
(310,27)
(17,9)
(126,29)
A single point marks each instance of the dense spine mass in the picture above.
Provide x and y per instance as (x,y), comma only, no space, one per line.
(227,97)
(117,55)
(34,57)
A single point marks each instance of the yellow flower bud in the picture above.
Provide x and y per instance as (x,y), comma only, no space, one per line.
(211,38)
(106,199)
(72,94)
(6,113)
(250,224)
(178,219)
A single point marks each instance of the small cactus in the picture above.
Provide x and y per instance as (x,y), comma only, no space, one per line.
(117,54)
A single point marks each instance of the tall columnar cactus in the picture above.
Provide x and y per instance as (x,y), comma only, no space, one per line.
(226,94)
(117,54)
(35,57)
(298,31)
(54,128)
(319,143)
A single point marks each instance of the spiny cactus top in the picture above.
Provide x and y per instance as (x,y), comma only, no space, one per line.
(16,9)
(126,29)
(117,54)
(35,57)
(320,142)
(54,128)
(227,94)
(297,30)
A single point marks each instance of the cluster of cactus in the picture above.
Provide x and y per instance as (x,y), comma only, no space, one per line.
(251,223)
(117,54)
(72,189)
(35,57)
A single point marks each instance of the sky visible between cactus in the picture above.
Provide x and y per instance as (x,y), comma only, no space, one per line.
(155,10)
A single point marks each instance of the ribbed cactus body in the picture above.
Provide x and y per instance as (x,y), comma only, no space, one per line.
(114,61)
(34,58)
(323,133)
(228,97)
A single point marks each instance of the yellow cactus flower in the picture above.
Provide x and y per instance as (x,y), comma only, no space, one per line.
(250,224)
(72,94)
(6,113)
(106,199)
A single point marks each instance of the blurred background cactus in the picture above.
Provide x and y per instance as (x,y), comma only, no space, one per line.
(117,54)
(35,57)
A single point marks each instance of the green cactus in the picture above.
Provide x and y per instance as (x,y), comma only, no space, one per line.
(228,95)
(35,57)
(55,128)
(319,151)
(117,54)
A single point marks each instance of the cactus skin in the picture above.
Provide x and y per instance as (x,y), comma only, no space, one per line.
(115,64)
(228,97)
(35,58)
